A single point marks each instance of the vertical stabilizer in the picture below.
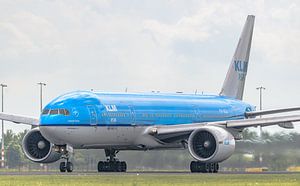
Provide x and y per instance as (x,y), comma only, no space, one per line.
(234,83)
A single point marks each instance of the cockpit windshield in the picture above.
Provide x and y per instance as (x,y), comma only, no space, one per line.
(62,111)
(54,112)
(45,111)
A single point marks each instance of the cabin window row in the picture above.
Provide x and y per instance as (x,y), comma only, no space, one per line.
(150,115)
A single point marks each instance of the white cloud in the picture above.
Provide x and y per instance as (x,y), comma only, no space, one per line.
(143,45)
(28,34)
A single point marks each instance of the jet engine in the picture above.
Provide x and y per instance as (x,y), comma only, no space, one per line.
(38,149)
(211,144)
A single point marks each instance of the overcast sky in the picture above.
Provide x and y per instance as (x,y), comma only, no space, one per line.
(143,46)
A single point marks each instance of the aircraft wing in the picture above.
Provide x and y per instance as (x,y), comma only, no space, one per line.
(271,111)
(174,132)
(19,119)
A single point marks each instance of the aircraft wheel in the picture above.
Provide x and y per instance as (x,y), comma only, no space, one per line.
(69,167)
(62,167)
(123,166)
(106,166)
(193,166)
(216,168)
(117,166)
(207,167)
(197,166)
(101,166)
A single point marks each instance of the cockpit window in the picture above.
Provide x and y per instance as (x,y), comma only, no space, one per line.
(62,111)
(67,113)
(45,111)
(53,112)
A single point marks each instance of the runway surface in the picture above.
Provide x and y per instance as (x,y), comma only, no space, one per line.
(78,173)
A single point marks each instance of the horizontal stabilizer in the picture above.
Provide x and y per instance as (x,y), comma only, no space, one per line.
(286,125)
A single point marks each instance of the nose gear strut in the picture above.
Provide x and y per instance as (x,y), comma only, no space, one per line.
(65,165)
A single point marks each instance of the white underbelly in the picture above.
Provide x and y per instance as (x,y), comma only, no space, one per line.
(98,137)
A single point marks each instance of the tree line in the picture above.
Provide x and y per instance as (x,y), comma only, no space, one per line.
(276,151)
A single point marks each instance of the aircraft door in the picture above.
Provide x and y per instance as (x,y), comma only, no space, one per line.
(198,114)
(132,115)
(93,115)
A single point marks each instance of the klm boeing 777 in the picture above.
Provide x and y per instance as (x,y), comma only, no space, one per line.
(206,125)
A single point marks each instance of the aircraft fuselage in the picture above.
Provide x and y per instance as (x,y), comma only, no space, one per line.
(85,119)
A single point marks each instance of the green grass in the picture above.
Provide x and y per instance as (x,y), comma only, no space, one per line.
(154,179)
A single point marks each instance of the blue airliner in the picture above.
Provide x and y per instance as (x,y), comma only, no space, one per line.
(206,125)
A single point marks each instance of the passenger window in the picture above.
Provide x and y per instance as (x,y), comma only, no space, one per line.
(67,113)
(52,112)
(62,111)
(45,111)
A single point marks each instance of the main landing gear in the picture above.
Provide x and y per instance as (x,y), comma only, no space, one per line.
(197,166)
(112,164)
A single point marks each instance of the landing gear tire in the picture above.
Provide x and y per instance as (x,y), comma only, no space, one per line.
(101,166)
(197,166)
(193,166)
(117,166)
(216,168)
(123,166)
(66,166)
(62,167)
(112,166)
(69,167)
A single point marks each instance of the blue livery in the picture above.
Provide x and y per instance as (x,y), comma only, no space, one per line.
(84,108)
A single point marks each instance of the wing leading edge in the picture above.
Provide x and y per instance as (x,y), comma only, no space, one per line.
(19,119)
(183,130)
(271,111)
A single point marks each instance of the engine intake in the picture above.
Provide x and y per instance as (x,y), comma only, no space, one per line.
(211,144)
(38,149)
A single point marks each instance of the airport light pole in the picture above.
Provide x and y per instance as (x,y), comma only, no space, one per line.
(41,84)
(2,143)
(261,88)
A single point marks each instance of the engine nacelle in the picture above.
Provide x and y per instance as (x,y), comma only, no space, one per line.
(38,149)
(211,144)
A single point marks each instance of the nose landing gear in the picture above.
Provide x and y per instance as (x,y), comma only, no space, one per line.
(65,165)
(112,164)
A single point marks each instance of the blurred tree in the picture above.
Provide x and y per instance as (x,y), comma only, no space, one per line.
(278,150)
